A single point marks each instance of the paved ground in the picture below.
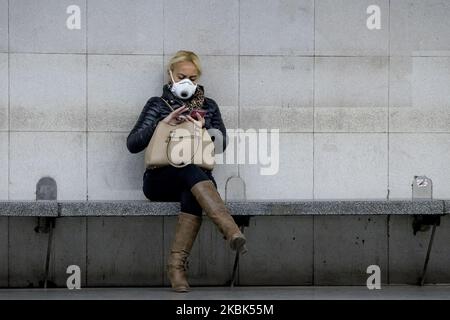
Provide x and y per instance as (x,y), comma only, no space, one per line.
(440,292)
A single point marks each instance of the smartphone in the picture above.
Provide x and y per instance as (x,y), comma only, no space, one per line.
(194,113)
(200,112)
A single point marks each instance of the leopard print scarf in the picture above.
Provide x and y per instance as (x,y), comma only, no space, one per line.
(196,101)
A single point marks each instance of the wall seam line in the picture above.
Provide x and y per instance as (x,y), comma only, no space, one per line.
(388,138)
(9,147)
(86,252)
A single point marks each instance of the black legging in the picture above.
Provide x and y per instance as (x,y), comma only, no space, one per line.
(174,184)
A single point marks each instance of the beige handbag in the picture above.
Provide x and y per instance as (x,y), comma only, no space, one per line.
(179,145)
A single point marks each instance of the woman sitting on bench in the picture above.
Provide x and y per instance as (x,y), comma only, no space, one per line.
(192,185)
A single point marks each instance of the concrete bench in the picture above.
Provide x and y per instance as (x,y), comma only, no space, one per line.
(426,213)
(47,209)
(61,208)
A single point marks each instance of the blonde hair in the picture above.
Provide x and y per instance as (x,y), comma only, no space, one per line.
(184,55)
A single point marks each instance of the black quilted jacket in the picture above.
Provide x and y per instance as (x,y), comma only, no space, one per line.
(155,110)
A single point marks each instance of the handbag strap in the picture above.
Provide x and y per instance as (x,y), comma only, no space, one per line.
(184,164)
(167,104)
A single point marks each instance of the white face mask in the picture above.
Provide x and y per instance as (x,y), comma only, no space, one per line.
(183,89)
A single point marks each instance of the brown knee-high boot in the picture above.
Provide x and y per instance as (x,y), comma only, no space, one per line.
(186,231)
(209,199)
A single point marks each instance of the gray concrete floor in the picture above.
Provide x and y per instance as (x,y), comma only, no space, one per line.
(439,292)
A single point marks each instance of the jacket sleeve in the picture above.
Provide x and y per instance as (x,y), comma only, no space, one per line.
(217,123)
(140,135)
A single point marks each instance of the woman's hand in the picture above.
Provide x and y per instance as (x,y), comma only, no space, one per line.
(200,119)
(175,117)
